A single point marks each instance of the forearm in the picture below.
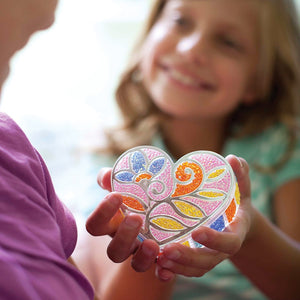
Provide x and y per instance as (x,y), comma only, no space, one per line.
(127,284)
(270,260)
(116,280)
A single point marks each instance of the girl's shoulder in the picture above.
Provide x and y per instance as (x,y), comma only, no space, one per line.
(274,152)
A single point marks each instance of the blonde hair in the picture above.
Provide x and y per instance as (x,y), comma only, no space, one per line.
(278,83)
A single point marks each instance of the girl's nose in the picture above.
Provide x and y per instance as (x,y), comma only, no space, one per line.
(194,47)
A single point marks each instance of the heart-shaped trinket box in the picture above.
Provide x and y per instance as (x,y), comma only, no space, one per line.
(173,199)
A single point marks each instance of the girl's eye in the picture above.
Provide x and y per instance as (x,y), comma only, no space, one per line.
(180,20)
(230,43)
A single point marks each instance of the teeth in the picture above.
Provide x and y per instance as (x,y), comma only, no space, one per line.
(183,78)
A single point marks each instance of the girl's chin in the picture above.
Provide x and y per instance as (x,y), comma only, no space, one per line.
(180,113)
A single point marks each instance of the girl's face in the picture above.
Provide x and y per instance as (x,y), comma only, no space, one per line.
(200,57)
(19,19)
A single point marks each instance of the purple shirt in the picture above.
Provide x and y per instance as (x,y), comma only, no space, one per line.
(37,232)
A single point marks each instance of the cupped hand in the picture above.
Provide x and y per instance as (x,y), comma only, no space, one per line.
(175,258)
(195,262)
(108,219)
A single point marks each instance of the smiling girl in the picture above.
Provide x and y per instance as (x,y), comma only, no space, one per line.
(219,75)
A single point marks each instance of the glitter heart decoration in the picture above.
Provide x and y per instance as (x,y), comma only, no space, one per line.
(173,199)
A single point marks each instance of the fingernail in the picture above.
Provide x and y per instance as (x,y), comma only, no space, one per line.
(131,222)
(99,178)
(241,162)
(201,237)
(100,175)
(147,250)
(163,275)
(115,200)
(173,255)
(167,264)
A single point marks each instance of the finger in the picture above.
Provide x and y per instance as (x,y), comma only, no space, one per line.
(124,241)
(242,221)
(225,242)
(201,258)
(241,169)
(164,274)
(107,216)
(192,262)
(104,178)
(145,256)
(167,269)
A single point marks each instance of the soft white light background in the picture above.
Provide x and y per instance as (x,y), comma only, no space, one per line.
(60,89)
(69,71)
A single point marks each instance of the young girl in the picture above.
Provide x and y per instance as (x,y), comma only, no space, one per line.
(224,76)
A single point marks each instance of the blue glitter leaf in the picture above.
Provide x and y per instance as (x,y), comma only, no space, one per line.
(219,224)
(138,162)
(124,176)
(140,238)
(198,245)
(156,165)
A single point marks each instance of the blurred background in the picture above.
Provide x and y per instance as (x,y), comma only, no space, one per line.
(61,86)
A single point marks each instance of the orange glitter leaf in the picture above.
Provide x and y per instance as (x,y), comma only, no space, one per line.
(133,203)
(230,211)
(143,176)
(117,220)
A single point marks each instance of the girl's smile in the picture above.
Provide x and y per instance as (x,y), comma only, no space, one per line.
(185,79)
(200,57)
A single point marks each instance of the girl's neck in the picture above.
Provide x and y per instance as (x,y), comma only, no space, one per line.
(184,136)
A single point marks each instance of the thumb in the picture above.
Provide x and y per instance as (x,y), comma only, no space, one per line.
(241,170)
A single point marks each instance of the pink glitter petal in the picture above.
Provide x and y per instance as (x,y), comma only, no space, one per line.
(161,235)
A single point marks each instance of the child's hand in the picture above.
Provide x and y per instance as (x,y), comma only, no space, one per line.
(176,258)
(179,259)
(107,219)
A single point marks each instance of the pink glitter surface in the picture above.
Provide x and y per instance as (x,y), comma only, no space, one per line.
(133,189)
(166,179)
(224,184)
(151,153)
(123,164)
(208,161)
(162,235)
